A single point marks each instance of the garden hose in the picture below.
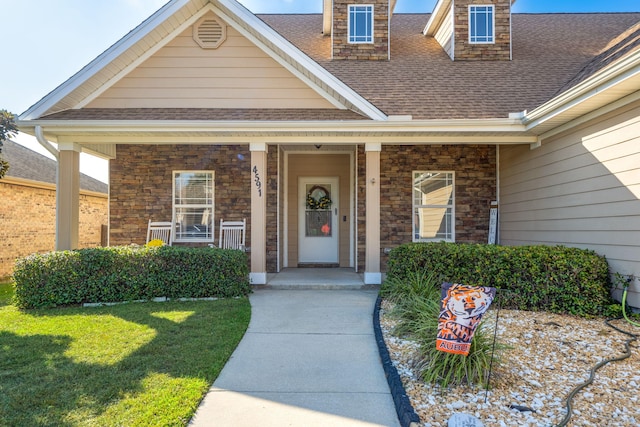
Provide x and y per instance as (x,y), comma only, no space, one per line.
(624,306)
(632,338)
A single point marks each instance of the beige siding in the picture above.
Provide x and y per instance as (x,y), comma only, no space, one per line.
(444,35)
(235,75)
(301,165)
(581,189)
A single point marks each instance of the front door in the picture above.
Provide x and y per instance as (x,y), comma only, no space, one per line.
(318,220)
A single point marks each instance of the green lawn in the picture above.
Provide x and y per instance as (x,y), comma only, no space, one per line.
(128,365)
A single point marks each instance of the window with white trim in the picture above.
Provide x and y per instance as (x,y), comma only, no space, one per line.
(481,24)
(433,206)
(193,206)
(360,23)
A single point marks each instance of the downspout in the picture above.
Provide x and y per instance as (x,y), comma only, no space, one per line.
(46,144)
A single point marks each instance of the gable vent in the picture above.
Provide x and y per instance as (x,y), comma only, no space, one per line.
(209,33)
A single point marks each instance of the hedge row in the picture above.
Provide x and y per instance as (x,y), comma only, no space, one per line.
(556,279)
(129,273)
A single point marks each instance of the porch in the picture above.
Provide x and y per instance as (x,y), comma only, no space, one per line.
(317,278)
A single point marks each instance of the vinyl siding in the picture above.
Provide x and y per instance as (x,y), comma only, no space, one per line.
(235,75)
(581,189)
(444,35)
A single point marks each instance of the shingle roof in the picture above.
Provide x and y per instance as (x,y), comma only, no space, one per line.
(205,114)
(551,53)
(620,47)
(422,81)
(27,164)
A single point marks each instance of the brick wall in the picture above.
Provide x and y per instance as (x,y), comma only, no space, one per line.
(500,50)
(141,179)
(475,188)
(378,50)
(28,218)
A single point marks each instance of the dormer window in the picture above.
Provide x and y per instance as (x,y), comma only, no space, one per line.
(481,24)
(360,23)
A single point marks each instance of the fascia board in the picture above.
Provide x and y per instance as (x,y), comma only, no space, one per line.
(602,81)
(436,17)
(296,55)
(103,59)
(299,138)
(454,126)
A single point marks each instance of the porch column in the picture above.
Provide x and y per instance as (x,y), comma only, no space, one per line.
(258,275)
(372,275)
(68,196)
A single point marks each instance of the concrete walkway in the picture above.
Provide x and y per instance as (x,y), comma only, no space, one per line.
(309,358)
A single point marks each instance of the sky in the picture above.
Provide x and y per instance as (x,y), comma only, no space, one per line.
(44,42)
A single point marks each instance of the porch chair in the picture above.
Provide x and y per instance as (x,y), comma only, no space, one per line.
(162,230)
(232,234)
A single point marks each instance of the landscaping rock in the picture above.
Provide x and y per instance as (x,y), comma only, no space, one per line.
(550,355)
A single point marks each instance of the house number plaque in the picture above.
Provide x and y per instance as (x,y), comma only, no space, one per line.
(256,179)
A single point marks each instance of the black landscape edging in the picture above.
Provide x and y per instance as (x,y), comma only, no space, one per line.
(406,413)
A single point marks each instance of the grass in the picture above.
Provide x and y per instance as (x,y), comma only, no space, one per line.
(128,365)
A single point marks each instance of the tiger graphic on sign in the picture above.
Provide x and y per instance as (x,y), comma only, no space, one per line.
(461,312)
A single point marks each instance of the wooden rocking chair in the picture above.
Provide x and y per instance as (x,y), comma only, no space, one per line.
(232,234)
(160,230)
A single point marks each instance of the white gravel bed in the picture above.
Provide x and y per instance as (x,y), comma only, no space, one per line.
(550,355)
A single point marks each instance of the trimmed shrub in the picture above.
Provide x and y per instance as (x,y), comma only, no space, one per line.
(127,273)
(556,279)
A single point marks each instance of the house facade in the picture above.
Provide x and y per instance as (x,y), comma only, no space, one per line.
(341,135)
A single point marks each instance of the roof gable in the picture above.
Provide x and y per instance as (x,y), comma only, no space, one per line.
(236,74)
(168,23)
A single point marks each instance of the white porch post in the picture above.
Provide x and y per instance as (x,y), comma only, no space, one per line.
(372,275)
(68,197)
(258,275)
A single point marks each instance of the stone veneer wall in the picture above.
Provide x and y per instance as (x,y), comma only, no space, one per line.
(378,50)
(272,208)
(475,188)
(28,218)
(141,180)
(500,50)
